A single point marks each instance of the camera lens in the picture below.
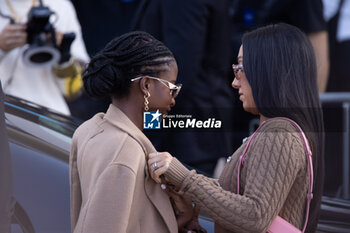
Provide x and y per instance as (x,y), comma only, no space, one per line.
(41,57)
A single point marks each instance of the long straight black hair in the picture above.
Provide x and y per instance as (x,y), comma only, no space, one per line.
(280,65)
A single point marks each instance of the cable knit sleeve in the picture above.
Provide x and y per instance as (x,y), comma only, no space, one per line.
(273,162)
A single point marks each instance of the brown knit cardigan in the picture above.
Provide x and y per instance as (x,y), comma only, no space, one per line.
(273,182)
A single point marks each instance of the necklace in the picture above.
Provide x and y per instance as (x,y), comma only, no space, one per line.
(14,15)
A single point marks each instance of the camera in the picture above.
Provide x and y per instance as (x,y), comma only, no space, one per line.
(41,38)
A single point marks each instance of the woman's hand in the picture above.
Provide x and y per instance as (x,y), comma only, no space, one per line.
(182,206)
(158,164)
(194,225)
(186,212)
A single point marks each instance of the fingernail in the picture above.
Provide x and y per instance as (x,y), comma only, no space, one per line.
(163,186)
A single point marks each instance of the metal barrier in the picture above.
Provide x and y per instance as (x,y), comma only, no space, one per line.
(344,98)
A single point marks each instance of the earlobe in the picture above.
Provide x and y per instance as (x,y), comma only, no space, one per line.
(144,85)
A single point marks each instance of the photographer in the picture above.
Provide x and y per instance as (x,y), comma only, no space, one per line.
(51,84)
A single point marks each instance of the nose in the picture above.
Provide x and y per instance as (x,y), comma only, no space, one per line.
(173,102)
(235,83)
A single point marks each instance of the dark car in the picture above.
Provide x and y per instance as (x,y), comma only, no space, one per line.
(40,141)
(39,144)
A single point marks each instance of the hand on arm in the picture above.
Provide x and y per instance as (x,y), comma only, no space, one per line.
(266,189)
(263,197)
(186,214)
(194,223)
(186,211)
(182,206)
(163,160)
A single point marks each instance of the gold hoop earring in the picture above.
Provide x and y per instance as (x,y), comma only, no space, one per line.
(146,96)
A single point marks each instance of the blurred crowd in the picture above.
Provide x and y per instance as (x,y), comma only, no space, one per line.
(204,36)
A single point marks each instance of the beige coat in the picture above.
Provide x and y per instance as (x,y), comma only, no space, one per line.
(111,190)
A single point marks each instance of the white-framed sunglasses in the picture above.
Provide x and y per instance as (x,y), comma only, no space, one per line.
(174,88)
(237,67)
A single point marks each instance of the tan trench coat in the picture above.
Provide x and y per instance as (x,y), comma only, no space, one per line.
(111,190)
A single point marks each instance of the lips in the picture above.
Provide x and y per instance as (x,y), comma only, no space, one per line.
(165,111)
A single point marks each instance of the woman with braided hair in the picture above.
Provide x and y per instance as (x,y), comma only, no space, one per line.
(111,190)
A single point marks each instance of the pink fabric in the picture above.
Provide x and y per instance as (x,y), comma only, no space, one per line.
(279,224)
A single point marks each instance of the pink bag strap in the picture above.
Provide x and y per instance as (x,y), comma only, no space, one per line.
(308,154)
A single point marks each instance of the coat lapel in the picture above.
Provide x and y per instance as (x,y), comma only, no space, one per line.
(159,198)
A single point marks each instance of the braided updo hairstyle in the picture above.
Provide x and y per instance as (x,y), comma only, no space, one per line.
(133,54)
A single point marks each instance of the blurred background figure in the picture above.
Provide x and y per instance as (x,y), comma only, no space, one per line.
(337,16)
(101,21)
(197,32)
(40,57)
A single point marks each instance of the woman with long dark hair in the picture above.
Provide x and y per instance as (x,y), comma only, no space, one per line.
(270,175)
